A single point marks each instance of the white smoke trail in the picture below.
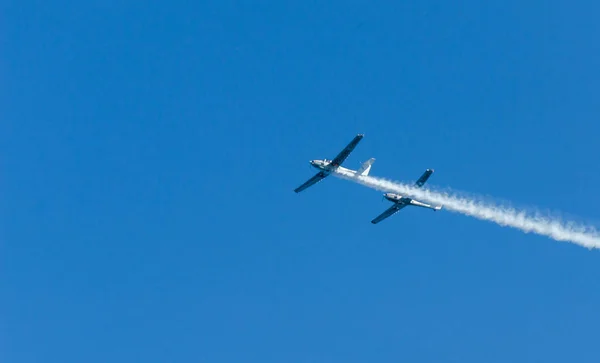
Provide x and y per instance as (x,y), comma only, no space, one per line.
(509,217)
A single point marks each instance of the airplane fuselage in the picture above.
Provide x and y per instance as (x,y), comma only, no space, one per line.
(326,166)
(396,198)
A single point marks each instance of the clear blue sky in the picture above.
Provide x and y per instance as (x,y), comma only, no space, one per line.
(151,148)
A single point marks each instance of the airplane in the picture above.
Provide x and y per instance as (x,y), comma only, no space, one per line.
(327,166)
(401,202)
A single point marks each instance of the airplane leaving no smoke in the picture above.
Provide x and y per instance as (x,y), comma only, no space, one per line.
(327,167)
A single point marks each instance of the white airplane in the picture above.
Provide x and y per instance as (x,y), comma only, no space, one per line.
(326,166)
(401,202)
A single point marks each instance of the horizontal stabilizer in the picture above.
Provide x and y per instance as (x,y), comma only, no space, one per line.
(366,167)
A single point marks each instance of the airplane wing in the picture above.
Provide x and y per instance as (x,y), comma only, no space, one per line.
(389,212)
(424,177)
(339,159)
(315,179)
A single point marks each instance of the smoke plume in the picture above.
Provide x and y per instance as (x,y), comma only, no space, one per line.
(505,216)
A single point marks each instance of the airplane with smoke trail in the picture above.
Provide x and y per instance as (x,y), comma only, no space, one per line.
(581,234)
(403,201)
(326,167)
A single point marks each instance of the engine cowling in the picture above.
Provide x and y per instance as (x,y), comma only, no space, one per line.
(393,197)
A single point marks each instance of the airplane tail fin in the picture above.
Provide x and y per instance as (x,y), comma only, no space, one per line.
(366,167)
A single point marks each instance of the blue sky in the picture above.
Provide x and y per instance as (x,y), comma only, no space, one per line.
(151,150)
